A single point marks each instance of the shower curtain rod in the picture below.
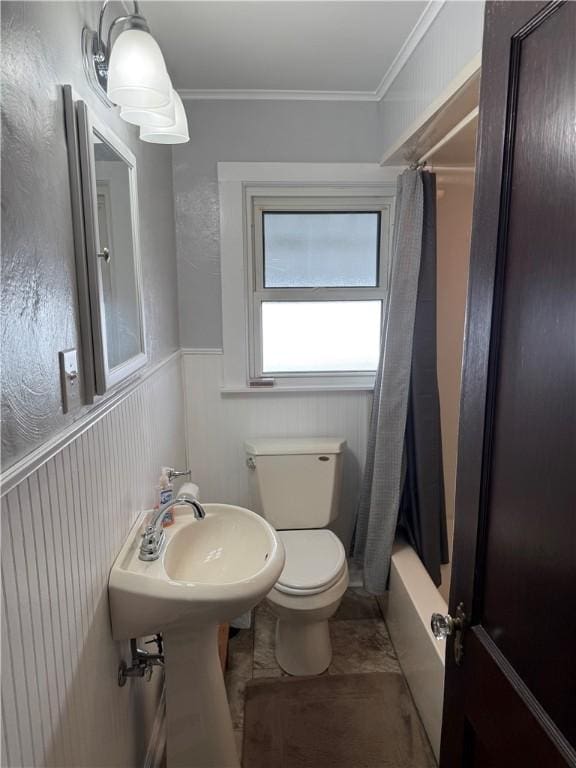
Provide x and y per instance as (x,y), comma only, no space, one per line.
(451,168)
(425,165)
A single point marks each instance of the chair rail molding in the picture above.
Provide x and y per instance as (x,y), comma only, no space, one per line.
(28,464)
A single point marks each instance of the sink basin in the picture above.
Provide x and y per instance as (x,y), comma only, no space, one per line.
(227,547)
(209,572)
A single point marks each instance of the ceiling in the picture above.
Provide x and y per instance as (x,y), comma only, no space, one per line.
(300,48)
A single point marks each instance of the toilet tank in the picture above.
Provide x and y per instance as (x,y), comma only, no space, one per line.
(296,481)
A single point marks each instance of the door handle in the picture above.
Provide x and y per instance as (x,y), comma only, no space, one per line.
(104,254)
(444,626)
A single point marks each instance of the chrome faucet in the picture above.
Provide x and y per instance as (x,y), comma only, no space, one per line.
(153,538)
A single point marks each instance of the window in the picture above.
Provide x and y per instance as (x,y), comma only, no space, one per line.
(304,253)
(319,274)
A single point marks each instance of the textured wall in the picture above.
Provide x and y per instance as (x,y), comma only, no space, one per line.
(256,131)
(40,51)
(62,527)
(454,38)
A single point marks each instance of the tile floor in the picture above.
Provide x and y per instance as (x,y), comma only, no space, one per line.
(360,643)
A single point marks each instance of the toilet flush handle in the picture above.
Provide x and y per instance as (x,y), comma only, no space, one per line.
(250,463)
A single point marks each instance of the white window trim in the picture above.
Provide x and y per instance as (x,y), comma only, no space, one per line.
(237,184)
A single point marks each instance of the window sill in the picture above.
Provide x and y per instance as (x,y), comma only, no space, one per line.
(295,389)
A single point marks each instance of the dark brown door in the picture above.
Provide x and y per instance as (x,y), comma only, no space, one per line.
(512,700)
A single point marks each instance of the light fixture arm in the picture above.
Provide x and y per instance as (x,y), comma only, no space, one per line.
(136,19)
(101,51)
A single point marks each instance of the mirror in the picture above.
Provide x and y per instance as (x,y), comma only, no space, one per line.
(116,253)
(111,275)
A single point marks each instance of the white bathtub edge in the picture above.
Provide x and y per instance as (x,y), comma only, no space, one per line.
(412,599)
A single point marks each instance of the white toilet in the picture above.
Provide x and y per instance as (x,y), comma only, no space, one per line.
(296,487)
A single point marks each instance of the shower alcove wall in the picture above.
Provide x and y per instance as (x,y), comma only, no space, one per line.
(446,139)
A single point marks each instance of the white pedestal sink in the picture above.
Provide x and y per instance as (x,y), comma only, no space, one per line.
(209,572)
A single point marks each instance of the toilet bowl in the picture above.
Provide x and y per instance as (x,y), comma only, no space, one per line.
(296,487)
(306,595)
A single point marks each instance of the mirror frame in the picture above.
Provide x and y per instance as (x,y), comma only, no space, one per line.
(91,295)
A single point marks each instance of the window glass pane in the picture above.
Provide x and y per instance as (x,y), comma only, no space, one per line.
(314,336)
(309,250)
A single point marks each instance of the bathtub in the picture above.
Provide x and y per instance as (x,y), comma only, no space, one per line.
(412,598)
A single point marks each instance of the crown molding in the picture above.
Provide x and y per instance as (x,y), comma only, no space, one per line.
(263,95)
(418,31)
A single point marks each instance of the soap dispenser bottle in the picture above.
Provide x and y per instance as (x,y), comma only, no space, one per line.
(165,495)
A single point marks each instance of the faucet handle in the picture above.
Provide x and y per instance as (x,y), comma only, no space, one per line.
(172,473)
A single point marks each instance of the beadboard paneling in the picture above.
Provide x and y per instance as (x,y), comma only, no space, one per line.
(61,529)
(217,425)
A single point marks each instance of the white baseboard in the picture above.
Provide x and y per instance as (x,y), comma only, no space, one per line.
(157,744)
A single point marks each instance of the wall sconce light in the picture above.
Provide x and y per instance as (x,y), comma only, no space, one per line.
(131,72)
(177,133)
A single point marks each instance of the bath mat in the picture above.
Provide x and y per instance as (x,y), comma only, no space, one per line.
(333,721)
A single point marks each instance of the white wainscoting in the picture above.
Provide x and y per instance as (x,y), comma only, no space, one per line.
(62,527)
(217,425)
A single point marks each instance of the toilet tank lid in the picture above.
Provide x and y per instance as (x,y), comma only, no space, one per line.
(283,446)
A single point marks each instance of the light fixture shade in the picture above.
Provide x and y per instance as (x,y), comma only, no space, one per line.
(174,134)
(137,75)
(162,117)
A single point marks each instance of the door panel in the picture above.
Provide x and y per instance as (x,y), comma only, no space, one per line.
(512,702)
(505,723)
(531,515)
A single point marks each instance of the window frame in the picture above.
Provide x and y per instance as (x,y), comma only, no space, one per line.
(304,200)
(237,182)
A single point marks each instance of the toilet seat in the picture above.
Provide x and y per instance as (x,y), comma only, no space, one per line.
(315,560)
